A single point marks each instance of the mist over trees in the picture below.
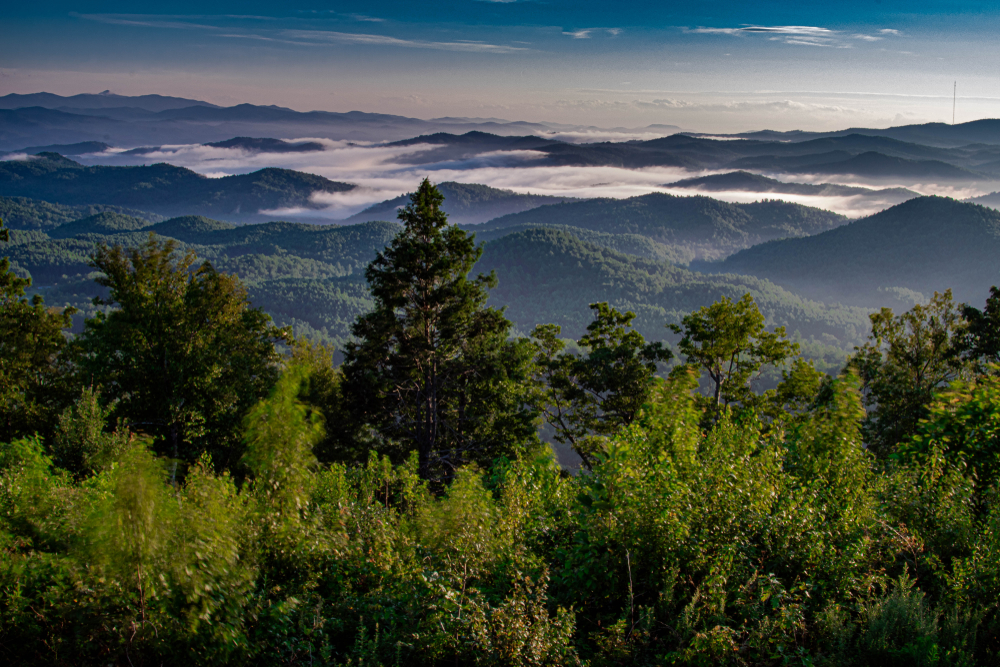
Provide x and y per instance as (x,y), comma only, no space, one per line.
(185,482)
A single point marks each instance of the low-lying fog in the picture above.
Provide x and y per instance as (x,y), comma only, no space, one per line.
(382,173)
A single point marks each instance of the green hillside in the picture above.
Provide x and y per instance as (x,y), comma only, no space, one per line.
(26,213)
(696,227)
(629,244)
(549,275)
(923,245)
(163,188)
(101,223)
(310,276)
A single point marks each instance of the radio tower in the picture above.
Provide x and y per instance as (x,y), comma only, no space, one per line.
(954,96)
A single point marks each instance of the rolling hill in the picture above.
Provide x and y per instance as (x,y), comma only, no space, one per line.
(26,213)
(902,254)
(465,203)
(550,275)
(696,227)
(162,188)
(744,181)
(311,276)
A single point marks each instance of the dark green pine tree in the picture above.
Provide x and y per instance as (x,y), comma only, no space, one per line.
(433,369)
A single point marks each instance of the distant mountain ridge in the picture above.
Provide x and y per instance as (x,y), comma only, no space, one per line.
(465,203)
(986,130)
(163,188)
(104,100)
(696,227)
(744,181)
(43,118)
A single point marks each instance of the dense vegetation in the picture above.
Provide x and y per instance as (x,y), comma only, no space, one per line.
(162,188)
(25,213)
(161,502)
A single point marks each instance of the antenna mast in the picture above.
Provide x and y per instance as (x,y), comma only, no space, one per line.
(954,97)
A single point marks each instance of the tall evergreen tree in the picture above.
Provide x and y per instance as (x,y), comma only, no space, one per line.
(433,369)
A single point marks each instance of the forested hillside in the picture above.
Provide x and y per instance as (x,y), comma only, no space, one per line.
(162,188)
(905,253)
(306,275)
(26,213)
(696,227)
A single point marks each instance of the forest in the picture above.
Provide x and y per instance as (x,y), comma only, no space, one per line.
(182,481)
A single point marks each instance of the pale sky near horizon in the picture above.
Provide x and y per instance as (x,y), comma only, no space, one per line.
(713,66)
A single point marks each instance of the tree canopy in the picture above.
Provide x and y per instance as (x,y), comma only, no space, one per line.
(182,351)
(433,370)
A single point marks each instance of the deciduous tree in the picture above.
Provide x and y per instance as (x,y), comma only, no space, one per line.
(183,351)
(729,342)
(906,360)
(34,380)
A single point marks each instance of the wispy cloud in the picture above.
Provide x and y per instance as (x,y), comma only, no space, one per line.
(142,21)
(800,35)
(329,36)
(777,29)
(890,31)
(301,37)
(587,33)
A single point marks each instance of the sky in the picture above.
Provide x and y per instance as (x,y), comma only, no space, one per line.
(710,66)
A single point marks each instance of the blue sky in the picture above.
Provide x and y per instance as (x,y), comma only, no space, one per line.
(712,66)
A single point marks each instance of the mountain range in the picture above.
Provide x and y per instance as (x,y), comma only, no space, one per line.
(465,203)
(695,227)
(164,189)
(43,118)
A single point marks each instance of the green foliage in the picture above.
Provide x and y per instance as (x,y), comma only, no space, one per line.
(906,360)
(596,394)
(729,342)
(81,443)
(183,352)
(280,433)
(33,379)
(432,369)
(981,339)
